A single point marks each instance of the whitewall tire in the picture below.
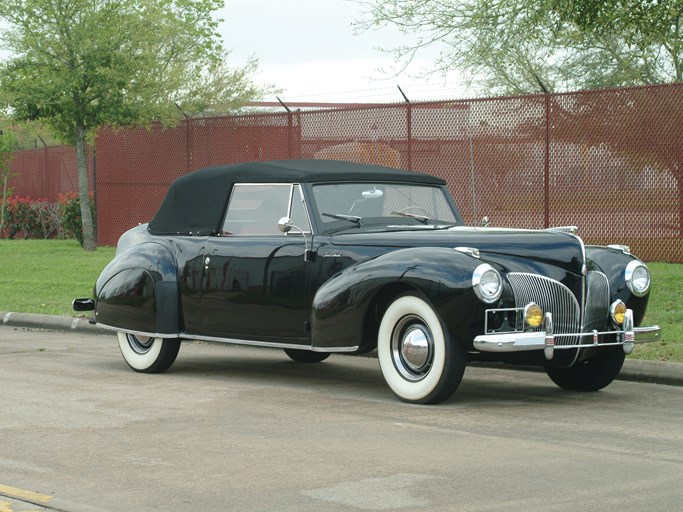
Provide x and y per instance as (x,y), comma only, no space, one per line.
(148,355)
(419,360)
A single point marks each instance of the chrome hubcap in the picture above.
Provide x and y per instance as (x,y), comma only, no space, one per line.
(140,345)
(415,348)
(412,348)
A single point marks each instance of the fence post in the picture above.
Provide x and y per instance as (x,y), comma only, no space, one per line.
(290,134)
(546,165)
(188,142)
(94,190)
(679,180)
(44,170)
(297,134)
(409,127)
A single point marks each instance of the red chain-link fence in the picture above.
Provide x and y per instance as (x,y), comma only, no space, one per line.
(608,161)
(44,173)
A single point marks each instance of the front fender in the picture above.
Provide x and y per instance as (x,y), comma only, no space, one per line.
(612,262)
(138,291)
(347,308)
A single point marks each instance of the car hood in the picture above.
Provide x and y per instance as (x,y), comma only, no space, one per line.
(512,249)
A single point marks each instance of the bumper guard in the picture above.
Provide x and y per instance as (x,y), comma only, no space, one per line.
(545,339)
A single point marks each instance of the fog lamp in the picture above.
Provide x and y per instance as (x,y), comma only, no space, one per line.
(617,311)
(533,315)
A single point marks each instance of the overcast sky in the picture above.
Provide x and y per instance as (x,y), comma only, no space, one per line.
(308,49)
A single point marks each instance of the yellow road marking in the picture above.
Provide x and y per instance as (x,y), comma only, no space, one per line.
(6,506)
(23,494)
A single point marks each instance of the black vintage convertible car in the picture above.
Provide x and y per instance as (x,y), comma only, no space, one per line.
(318,257)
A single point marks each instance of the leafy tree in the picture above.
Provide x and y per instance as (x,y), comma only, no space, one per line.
(523,46)
(79,65)
(653,28)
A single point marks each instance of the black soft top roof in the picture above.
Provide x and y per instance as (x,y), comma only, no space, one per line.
(196,202)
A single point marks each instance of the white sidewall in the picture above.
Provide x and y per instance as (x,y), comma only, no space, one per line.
(140,361)
(408,390)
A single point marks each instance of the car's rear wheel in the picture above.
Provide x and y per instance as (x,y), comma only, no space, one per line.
(590,375)
(306,356)
(148,355)
(419,360)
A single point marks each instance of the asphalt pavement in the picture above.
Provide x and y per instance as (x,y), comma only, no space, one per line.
(245,429)
(638,370)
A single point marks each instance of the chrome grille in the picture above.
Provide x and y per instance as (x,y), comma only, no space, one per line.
(551,296)
(597,302)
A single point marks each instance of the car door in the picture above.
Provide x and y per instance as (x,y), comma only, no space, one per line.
(255,277)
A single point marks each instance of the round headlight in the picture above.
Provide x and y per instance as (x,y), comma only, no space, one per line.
(637,278)
(487,283)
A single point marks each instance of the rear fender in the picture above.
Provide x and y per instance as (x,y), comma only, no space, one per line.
(138,291)
(347,308)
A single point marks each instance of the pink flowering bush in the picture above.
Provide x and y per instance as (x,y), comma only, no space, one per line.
(39,218)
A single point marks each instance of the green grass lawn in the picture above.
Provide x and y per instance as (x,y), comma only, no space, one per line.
(666,310)
(44,276)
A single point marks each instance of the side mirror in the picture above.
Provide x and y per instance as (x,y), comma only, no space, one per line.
(284,224)
(485,222)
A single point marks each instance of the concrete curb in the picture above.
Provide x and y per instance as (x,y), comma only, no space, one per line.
(637,370)
(50,322)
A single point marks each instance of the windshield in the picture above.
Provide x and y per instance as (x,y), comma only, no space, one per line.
(388,204)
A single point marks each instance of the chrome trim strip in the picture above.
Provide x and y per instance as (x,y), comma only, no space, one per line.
(269,344)
(570,230)
(232,341)
(584,286)
(138,333)
(308,231)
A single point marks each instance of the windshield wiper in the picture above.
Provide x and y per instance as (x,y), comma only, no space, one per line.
(420,218)
(339,216)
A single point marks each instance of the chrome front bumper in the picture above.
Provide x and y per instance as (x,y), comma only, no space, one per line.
(545,339)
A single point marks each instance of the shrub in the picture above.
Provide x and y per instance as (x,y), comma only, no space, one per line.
(44,219)
(36,219)
(70,208)
(17,216)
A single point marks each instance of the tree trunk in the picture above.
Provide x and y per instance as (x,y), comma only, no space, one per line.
(5,174)
(5,179)
(89,242)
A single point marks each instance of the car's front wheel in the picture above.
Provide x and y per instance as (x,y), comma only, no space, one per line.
(590,375)
(420,362)
(148,355)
